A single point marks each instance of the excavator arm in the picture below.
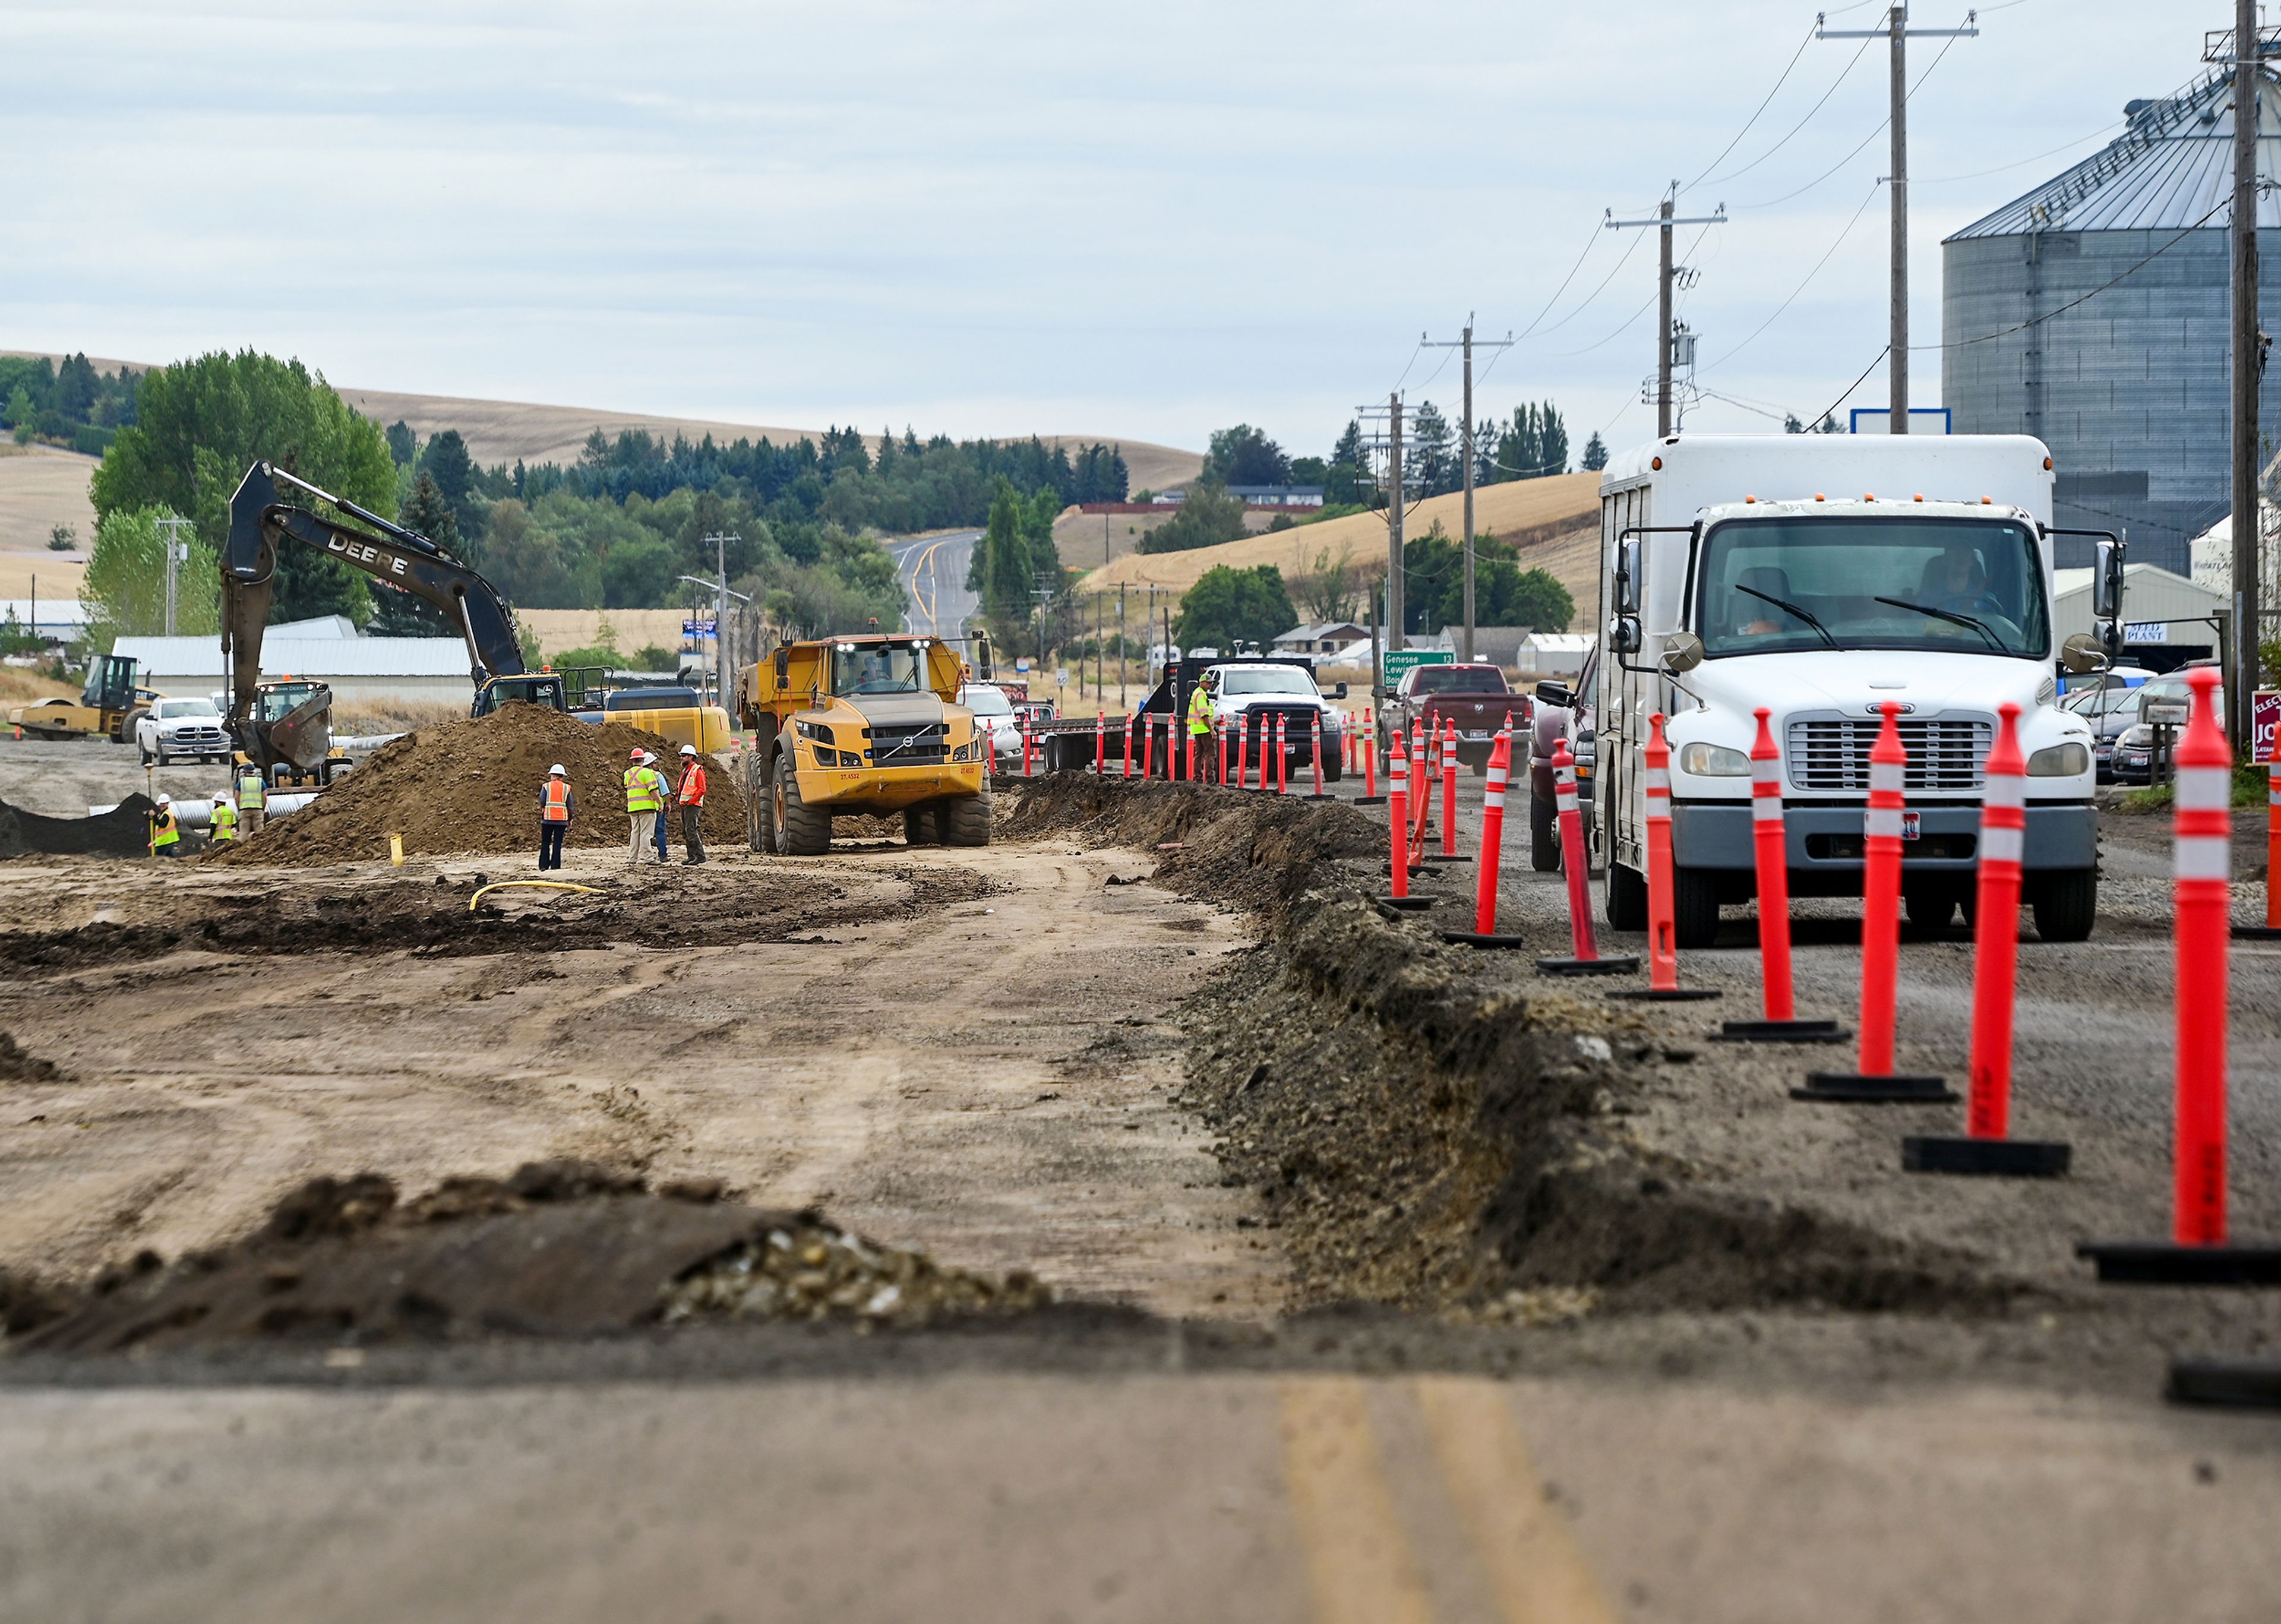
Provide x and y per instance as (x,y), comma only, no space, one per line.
(259,514)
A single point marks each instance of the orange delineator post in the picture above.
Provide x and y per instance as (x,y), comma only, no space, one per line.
(1988,1146)
(1220,733)
(1099,744)
(1662,923)
(1398,825)
(1147,746)
(1128,745)
(1485,889)
(1585,960)
(1317,795)
(1027,736)
(1369,747)
(1282,764)
(1874,1081)
(1450,795)
(1770,847)
(1242,751)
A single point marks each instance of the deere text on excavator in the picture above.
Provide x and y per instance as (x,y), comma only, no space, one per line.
(285,728)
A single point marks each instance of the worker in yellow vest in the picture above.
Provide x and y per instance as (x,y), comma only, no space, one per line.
(645,796)
(225,818)
(165,833)
(252,800)
(557,805)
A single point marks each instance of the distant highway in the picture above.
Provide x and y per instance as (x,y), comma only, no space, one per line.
(933,571)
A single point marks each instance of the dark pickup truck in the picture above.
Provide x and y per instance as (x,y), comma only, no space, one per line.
(1476,698)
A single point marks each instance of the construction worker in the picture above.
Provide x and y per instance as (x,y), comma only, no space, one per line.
(225,818)
(645,793)
(164,831)
(664,804)
(252,800)
(1200,718)
(689,796)
(557,805)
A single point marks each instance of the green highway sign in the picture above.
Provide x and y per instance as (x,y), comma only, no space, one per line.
(1400,660)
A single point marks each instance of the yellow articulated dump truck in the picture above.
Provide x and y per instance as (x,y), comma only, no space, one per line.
(862,725)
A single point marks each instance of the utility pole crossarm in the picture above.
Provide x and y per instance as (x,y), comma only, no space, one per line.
(1665,219)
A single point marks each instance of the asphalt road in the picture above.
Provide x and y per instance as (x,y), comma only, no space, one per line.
(933,571)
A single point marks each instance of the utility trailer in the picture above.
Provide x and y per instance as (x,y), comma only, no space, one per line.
(1248,692)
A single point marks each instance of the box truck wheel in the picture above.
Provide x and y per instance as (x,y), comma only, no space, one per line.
(1627,899)
(1543,836)
(2066,902)
(1694,906)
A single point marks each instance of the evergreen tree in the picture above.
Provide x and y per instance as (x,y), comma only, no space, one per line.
(398,613)
(1551,440)
(1595,453)
(403,444)
(1433,464)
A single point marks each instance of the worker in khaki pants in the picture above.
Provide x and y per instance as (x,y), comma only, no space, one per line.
(644,795)
(689,796)
(252,800)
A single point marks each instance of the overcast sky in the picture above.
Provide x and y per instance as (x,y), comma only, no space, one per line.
(1149,220)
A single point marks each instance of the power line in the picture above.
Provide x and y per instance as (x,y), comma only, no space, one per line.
(1796,57)
(1562,288)
(1801,287)
(1603,287)
(1850,388)
(1882,126)
(1807,119)
(1943,180)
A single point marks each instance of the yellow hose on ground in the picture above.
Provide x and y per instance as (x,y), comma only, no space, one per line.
(541,885)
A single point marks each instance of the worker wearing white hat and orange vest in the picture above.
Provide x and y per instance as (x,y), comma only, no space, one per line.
(689,796)
(557,805)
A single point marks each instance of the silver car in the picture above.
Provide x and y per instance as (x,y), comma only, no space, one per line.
(995,715)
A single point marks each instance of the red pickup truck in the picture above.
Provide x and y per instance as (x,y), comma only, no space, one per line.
(1476,698)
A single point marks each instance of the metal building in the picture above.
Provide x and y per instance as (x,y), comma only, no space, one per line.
(2092,312)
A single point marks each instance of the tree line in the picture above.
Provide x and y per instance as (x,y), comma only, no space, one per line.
(74,404)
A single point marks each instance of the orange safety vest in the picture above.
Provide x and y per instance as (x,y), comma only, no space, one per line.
(692,784)
(557,806)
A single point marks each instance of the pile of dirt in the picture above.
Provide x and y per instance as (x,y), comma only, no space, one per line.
(1426,1142)
(472,785)
(123,832)
(1260,852)
(16,1066)
(558,1249)
(656,907)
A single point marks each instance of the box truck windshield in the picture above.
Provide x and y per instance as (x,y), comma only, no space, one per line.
(1954,585)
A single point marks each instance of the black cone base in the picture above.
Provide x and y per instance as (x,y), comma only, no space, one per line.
(1326,795)
(1469,939)
(2241,1383)
(1413,904)
(1438,857)
(2256,932)
(1370,800)
(2014,1158)
(1783,1031)
(1666,994)
(1587,967)
(2164,1262)
(1858,1089)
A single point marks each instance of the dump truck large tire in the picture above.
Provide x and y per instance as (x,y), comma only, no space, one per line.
(965,820)
(758,824)
(920,823)
(799,831)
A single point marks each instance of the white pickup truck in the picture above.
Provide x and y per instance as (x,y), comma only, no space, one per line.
(1819,576)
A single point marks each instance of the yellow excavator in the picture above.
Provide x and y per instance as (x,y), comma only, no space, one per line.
(864,725)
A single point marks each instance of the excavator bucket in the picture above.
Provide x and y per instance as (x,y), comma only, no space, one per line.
(304,735)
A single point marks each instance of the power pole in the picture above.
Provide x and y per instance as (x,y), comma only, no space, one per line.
(2242,662)
(1468,344)
(720,650)
(1663,219)
(1395,609)
(1897,30)
(177,551)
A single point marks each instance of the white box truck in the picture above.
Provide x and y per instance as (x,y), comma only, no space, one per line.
(1819,575)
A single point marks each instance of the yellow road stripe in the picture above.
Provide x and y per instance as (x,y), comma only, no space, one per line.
(1358,1561)
(1535,1569)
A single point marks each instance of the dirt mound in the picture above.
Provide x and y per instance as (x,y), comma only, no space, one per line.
(16,1066)
(123,832)
(472,785)
(1257,852)
(1426,1142)
(558,1249)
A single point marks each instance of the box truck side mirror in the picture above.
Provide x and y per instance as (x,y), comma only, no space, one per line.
(2083,654)
(1683,650)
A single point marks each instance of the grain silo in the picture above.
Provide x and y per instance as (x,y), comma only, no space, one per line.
(2048,328)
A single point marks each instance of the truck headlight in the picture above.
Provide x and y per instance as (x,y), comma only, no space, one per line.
(2059,761)
(1710,760)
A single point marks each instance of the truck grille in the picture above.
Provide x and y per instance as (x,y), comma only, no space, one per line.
(910,746)
(1298,727)
(1945,753)
(200,740)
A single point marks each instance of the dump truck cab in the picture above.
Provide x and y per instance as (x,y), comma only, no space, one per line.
(861,726)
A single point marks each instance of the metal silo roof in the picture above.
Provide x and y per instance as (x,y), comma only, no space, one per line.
(2167,172)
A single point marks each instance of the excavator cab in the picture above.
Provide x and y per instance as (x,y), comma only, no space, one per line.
(110,683)
(530,687)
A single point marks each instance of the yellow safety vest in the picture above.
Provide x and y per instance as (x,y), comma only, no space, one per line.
(251,791)
(1198,710)
(645,790)
(163,830)
(225,821)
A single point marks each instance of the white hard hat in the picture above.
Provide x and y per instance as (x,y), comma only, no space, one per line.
(166,799)
(689,749)
(556,771)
